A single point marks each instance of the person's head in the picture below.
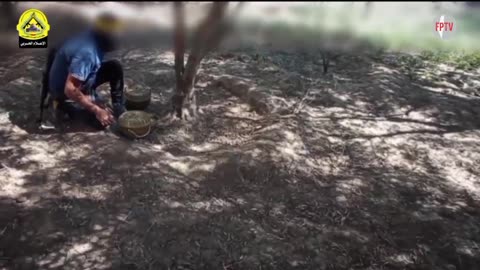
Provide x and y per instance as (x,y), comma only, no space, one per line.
(107,29)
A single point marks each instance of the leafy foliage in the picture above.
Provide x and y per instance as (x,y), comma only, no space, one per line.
(460,60)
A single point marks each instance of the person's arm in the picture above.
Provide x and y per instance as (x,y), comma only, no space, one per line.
(79,70)
(73,90)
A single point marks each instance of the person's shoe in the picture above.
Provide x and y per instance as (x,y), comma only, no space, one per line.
(118,109)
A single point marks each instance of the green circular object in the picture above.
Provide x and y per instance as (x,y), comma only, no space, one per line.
(135,124)
(137,98)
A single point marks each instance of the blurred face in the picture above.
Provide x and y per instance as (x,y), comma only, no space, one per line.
(108,41)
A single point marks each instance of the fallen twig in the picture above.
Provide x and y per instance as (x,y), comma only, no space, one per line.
(301,102)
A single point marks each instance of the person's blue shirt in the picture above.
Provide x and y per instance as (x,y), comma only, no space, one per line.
(79,56)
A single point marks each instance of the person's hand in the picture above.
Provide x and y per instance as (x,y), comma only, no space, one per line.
(105,116)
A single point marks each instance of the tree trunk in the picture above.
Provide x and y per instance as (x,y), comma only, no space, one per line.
(8,12)
(179,50)
(206,37)
(368,6)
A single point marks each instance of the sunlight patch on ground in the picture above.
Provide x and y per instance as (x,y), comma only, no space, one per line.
(185,165)
(237,110)
(381,127)
(292,146)
(214,205)
(11,182)
(435,191)
(204,147)
(458,173)
(395,155)
(349,233)
(42,153)
(469,247)
(424,116)
(164,57)
(426,215)
(94,192)
(88,254)
(403,259)
(22,82)
(382,70)
(349,186)
(459,170)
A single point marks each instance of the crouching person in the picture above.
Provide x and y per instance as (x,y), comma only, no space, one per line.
(78,68)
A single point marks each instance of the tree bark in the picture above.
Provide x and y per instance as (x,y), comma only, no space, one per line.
(368,6)
(179,42)
(179,51)
(8,12)
(206,37)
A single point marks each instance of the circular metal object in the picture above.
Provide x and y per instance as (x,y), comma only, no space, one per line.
(137,98)
(135,124)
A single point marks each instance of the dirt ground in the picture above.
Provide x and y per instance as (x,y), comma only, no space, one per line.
(363,168)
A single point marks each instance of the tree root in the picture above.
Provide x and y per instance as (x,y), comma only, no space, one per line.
(245,91)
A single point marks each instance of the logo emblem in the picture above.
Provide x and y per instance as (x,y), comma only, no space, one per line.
(445,27)
(33,29)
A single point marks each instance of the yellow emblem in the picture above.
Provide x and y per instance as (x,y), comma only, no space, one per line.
(33,25)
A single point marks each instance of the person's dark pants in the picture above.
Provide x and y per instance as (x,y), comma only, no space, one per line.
(110,71)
